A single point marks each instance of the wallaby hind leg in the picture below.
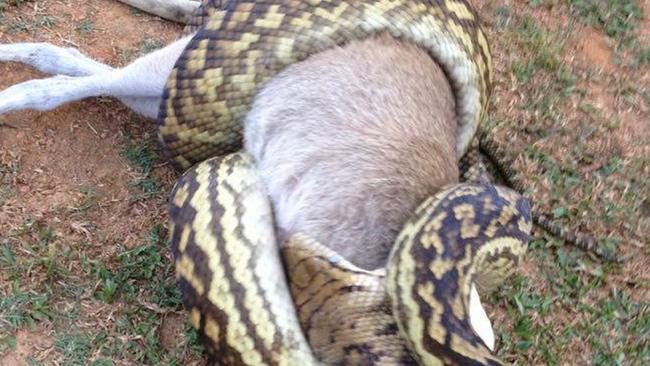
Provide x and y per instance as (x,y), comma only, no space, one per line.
(138,85)
(52,59)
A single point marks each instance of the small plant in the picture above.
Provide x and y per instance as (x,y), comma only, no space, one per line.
(86,27)
(149,45)
(45,21)
(143,156)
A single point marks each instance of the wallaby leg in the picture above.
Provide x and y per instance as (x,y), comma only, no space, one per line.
(139,85)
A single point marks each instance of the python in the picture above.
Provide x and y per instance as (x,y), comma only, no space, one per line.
(347,142)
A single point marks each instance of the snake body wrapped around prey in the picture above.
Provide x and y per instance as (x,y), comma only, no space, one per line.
(256,304)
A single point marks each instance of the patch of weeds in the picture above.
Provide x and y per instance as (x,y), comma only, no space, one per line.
(617,18)
(149,45)
(108,291)
(8,173)
(46,235)
(613,326)
(566,80)
(544,3)
(7,342)
(149,188)
(124,55)
(50,260)
(22,24)
(641,57)
(614,164)
(85,27)
(542,52)
(141,155)
(31,361)
(610,326)
(544,46)
(19,25)
(75,347)
(8,260)
(102,362)
(144,157)
(142,280)
(45,21)
(143,268)
(503,17)
(527,308)
(135,11)
(24,308)
(89,199)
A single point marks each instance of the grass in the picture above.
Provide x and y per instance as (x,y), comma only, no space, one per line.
(85,26)
(609,329)
(89,199)
(30,24)
(137,283)
(150,45)
(111,308)
(9,170)
(617,18)
(143,155)
(641,58)
(573,308)
(101,301)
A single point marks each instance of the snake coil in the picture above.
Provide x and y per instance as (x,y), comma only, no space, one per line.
(232,272)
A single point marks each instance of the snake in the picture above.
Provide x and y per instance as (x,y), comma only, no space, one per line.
(255,301)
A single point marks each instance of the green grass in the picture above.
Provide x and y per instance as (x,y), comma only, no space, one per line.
(573,309)
(133,289)
(30,24)
(8,173)
(150,45)
(89,200)
(135,276)
(85,26)
(24,308)
(604,326)
(617,18)
(125,55)
(137,283)
(143,155)
(104,302)
(641,57)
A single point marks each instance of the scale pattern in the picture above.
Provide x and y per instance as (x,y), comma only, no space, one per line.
(232,276)
(232,272)
(470,232)
(242,44)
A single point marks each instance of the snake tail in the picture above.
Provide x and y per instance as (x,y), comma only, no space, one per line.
(486,232)
(229,268)
(500,158)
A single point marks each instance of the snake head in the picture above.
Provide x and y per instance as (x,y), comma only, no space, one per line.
(466,234)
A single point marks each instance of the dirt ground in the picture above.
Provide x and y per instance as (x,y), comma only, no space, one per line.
(85,273)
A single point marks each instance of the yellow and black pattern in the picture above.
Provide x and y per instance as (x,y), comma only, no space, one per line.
(333,313)
(503,162)
(202,14)
(464,234)
(242,44)
(229,268)
(227,260)
(343,310)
